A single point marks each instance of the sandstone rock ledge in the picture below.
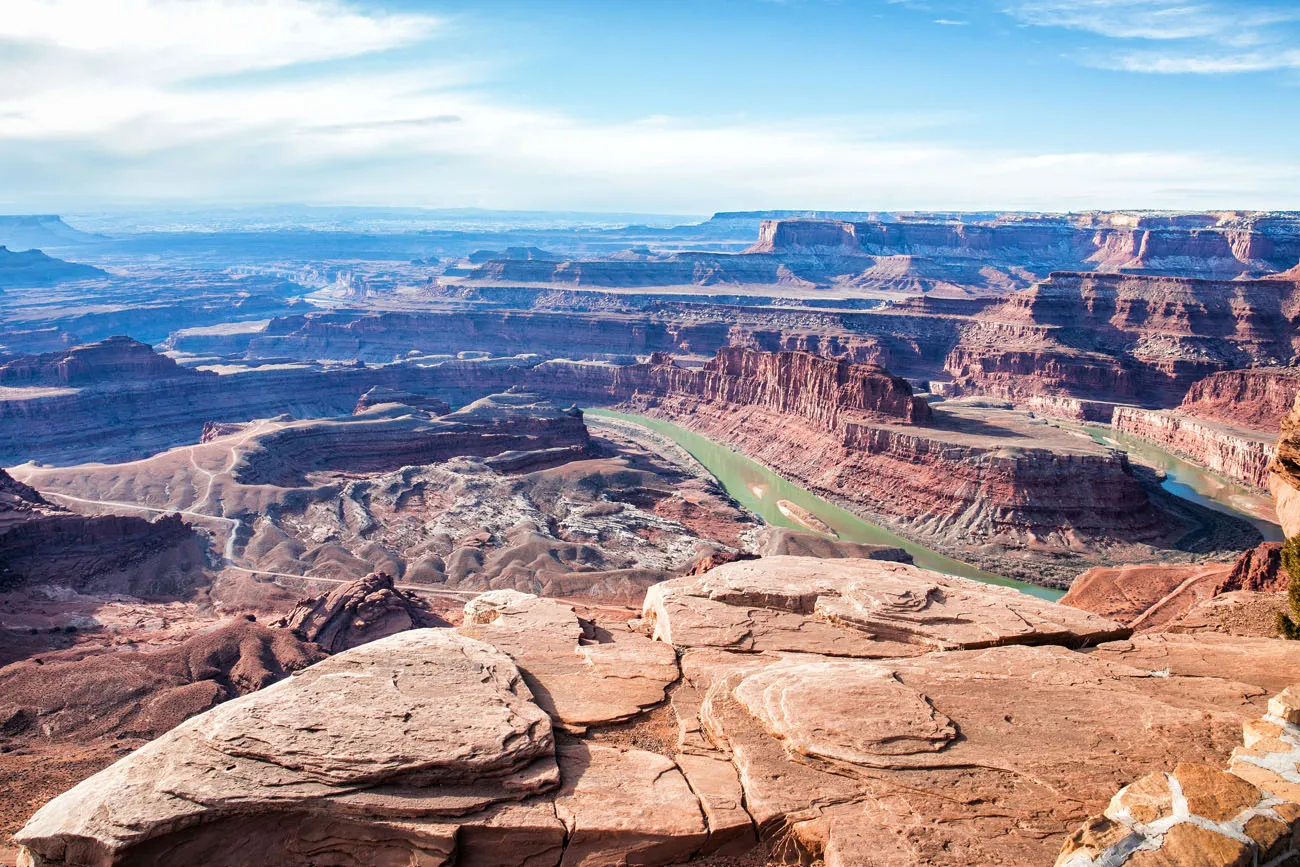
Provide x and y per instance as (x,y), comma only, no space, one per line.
(855,711)
(1199,815)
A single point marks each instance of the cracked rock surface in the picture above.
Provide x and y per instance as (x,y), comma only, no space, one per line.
(855,712)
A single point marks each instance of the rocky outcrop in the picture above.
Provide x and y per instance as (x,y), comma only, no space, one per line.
(1255,398)
(392,436)
(358,612)
(581,674)
(1284,473)
(872,735)
(41,543)
(107,361)
(1237,453)
(1259,570)
(1198,814)
(381,395)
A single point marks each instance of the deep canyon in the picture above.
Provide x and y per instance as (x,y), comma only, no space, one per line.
(372,547)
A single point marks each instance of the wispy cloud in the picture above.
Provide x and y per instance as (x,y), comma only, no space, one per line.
(1187,36)
(260,100)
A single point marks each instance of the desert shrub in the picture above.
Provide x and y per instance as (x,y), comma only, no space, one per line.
(1288,623)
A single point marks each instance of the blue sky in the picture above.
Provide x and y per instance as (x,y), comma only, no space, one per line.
(684,106)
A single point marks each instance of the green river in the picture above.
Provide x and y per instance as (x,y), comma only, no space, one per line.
(1186,480)
(757,488)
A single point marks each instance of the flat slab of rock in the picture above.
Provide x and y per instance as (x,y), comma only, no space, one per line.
(1268,663)
(958,758)
(856,608)
(580,674)
(625,806)
(423,723)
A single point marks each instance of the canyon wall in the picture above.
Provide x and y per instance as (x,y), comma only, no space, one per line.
(1124,337)
(1226,245)
(1284,473)
(823,391)
(1255,398)
(41,543)
(1239,454)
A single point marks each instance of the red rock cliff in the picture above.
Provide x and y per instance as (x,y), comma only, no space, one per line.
(824,391)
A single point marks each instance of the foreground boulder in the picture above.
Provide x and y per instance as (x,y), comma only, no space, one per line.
(863,608)
(426,723)
(855,712)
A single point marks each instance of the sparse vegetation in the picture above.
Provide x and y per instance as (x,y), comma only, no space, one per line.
(1288,625)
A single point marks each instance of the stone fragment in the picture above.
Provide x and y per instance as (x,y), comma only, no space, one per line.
(1265,736)
(1188,845)
(1144,802)
(1286,705)
(1214,794)
(1091,839)
(1259,770)
(525,834)
(1271,836)
(715,782)
(625,807)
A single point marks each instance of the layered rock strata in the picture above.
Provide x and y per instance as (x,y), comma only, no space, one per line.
(1240,454)
(1212,245)
(1128,338)
(42,543)
(1255,398)
(829,393)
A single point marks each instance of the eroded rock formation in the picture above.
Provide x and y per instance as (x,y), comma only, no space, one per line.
(42,543)
(833,714)
(1128,338)
(358,612)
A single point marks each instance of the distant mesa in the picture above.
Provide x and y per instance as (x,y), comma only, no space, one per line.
(513,254)
(34,269)
(32,231)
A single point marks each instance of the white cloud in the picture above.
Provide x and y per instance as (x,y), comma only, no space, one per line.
(1211,63)
(1205,37)
(178,39)
(114,111)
